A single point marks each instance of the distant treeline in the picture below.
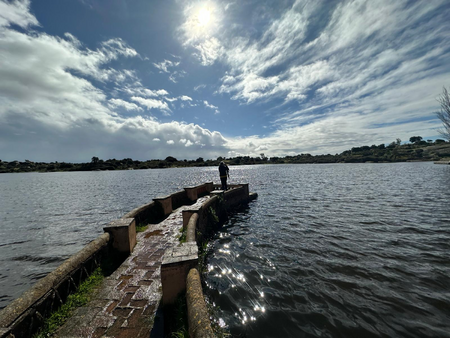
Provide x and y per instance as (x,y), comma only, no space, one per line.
(416,150)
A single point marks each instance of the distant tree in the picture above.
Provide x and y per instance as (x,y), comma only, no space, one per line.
(415,139)
(200,159)
(439,141)
(444,114)
(171,159)
(94,160)
(398,141)
(392,145)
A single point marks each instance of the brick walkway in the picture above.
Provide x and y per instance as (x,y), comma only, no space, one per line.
(126,302)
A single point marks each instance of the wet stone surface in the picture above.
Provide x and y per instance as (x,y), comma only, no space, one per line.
(126,302)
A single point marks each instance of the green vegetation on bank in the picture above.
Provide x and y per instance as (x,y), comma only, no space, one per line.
(416,150)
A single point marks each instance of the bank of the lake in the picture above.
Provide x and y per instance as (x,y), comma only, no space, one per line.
(327,250)
(392,153)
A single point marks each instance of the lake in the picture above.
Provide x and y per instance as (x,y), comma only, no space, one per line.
(333,250)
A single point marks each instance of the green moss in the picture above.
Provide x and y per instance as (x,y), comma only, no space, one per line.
(80,298)
(213,216)
(141,227)
(183,235)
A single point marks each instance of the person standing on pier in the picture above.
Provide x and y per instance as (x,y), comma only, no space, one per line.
(224,174)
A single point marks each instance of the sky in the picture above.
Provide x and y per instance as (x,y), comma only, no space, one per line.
(148,79)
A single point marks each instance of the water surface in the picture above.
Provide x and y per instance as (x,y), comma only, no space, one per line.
(338,250)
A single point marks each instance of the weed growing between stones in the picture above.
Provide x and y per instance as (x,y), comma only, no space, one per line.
(141,227)
(212,217)
(183,235)
(79,298)
(175,318)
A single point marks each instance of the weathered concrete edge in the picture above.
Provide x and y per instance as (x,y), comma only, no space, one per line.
(198,317)
(191,228)
(32,296)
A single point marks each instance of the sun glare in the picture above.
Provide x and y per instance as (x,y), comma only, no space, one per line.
(204,16)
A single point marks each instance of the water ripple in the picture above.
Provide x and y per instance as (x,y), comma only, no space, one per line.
(346,251)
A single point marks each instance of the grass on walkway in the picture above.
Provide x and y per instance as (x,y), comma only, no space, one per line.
(75,300)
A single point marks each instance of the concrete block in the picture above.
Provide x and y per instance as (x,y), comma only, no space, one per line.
(175,267)
(123,233)
(191,193)
(209,186)
(165,203)
(217,193)
(187,213)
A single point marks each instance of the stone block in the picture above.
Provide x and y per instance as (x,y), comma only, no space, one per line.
(187,213)
(123,233)
(209,186)
(175,267)
(165,203)
(191,193)
(217,193)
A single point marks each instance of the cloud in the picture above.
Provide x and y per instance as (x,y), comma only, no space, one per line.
(54,106)
(324,76)
(197,88)
(152,103)
(165,65)
(208,51)
(115,103)
(208,105)
(17,12)
(362,71)
(138,90)
(211,106)
(170,142)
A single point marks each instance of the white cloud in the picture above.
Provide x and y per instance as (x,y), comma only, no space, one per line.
(151,103)
(51,108)
(138,90)
(369,74)
(165,65)
(197,88)
(115,103)
(208,51)
(17,12)
(208,105)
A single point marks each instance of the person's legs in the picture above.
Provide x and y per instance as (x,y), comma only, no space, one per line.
(224,183)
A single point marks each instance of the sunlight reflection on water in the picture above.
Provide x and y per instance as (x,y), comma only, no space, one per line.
(336,251)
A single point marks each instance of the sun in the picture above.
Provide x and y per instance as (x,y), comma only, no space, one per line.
(204,15)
